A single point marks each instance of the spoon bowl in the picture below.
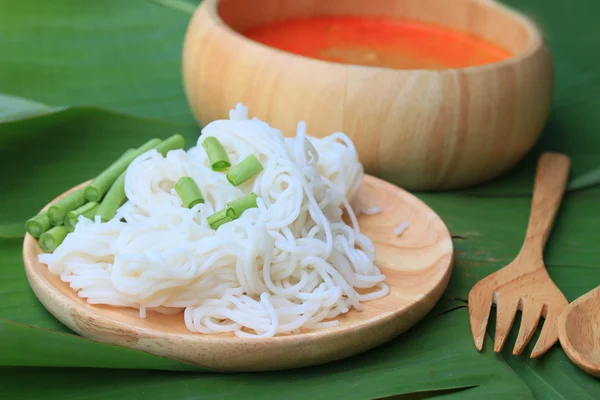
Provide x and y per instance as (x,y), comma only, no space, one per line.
(579,332)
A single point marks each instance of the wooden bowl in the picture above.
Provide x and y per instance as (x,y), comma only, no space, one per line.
(417,265)
(420,129)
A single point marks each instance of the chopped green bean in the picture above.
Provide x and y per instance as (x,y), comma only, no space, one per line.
(100,185)
(58,210)
(245,170)
(38,224)
(188,192)
(217,156)
(115,193)
(88,210)
(149,145)
(217,219)
(51,239)
(236,208)
(114,198)
(172,143)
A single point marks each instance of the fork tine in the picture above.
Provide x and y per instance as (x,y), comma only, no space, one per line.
(549,335)
(479,313)
(506,311)
(529,321)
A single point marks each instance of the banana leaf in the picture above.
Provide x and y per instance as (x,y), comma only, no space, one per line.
(81,81)
(438,346)
(123,55)
(12,107)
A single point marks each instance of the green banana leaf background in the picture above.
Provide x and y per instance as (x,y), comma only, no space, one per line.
(82,80)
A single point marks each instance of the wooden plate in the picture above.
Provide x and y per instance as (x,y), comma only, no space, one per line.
(417,265)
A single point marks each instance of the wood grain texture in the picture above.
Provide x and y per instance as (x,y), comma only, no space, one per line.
(417,265)
(524,284)
(420,129)
(579,332)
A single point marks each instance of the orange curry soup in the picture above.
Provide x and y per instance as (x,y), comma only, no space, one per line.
(399,44)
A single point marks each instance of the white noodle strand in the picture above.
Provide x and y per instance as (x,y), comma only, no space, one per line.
(292,263)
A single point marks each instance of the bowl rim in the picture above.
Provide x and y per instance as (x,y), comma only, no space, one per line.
(536,42)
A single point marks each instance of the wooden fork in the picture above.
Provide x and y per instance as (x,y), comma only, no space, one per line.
(524,284)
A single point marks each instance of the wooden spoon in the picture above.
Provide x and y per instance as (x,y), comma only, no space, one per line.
(579,332)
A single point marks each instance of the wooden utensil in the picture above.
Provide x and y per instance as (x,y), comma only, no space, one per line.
(524,284)
(420,129)
(417,265)
(579,332)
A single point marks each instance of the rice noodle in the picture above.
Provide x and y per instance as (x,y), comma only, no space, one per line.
(371,210)
(291,263)
(399,230)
